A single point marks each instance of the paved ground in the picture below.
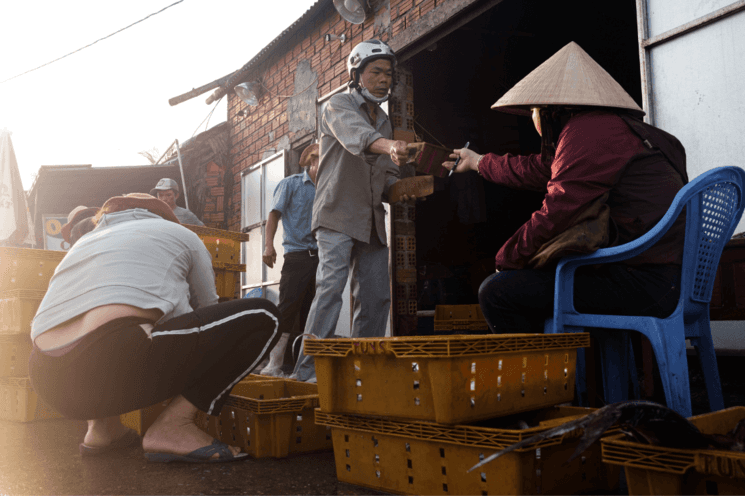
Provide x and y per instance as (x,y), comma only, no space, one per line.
(42,458)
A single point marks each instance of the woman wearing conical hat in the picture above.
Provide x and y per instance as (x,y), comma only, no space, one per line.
(608,177)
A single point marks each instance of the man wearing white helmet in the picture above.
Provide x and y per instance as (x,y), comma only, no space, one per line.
(358,166)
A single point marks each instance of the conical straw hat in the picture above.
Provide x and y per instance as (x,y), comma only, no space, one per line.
(570,77)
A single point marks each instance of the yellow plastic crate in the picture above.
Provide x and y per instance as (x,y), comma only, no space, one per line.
(270,418)
(15,351)
(459,318)
(17,310)
(141,420)
(428,458)
(660,470)
(446,379)
(24,268)
(20,403)
(224,246)
(227,277)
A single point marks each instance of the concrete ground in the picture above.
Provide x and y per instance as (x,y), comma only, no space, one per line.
(42,458)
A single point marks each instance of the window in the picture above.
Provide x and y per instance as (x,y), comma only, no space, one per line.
(257,190)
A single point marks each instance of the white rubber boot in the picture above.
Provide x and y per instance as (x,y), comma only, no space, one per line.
(276,357)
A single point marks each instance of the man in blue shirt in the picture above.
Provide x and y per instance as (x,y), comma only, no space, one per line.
(293,203)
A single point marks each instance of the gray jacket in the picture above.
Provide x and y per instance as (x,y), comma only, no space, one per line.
(132,257)
(187,216)
(351,184)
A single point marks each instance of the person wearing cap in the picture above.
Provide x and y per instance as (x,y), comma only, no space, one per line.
(358,165)
(167,190)
(293,203)
(79,223)
(131,319)
(608,177)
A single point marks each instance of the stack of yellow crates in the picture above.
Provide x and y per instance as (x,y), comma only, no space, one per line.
(225,248)
(24,278)
(411,415)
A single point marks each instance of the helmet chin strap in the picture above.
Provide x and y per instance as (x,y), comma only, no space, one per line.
(369,96)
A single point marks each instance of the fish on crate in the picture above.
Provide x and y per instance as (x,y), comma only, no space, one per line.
(642,421)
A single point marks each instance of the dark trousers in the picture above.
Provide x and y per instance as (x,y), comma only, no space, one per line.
(118,368)
(297,287)
(518,301)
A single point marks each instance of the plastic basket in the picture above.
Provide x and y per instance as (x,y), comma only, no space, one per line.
(141,420)
(20,403)
(224,246)
(459,318)
(447,379)
(24,268)
(427,458)
(227,277)
(270,418)
(15,351)
(659,470)
(17,310)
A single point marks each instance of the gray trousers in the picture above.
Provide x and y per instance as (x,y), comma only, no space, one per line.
(370,286)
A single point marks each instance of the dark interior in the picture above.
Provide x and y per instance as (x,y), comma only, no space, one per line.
(463,224)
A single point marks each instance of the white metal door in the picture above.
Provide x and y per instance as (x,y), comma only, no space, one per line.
(692,56)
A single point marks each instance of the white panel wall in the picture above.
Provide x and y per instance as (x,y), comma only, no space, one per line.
(665,15)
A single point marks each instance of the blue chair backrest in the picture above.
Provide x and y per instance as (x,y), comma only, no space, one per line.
(714,205)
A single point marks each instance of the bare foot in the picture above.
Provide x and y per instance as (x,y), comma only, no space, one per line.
(174,431)
(103,432)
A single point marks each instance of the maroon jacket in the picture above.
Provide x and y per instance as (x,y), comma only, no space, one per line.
(597,152)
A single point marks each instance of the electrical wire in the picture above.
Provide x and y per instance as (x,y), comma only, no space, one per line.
(207,118)
(290,96)
(296,94)
(435,137)
(86,46)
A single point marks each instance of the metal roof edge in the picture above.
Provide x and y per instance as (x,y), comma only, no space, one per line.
(235,77)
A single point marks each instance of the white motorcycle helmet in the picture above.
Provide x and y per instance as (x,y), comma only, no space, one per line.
(365,52)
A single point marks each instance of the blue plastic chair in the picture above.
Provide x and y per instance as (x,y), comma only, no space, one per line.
(714,205)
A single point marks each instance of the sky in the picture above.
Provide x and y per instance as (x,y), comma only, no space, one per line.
(105,104)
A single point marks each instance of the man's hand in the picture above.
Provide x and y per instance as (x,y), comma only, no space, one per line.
(270,256)
(395,148)
(398,152)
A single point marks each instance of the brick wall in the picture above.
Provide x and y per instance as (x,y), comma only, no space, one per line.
(256,130)
(214,214)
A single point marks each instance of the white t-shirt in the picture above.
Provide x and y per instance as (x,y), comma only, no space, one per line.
(132,257)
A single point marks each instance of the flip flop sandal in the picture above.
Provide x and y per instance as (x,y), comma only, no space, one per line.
(129,439)
(200,455)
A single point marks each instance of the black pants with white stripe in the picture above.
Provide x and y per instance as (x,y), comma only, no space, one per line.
(118,368)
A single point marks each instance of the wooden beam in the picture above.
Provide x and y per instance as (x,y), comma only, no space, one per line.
(437,24)
(198,91)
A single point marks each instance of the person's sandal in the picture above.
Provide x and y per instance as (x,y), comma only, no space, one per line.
(200,455)
(129,439)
